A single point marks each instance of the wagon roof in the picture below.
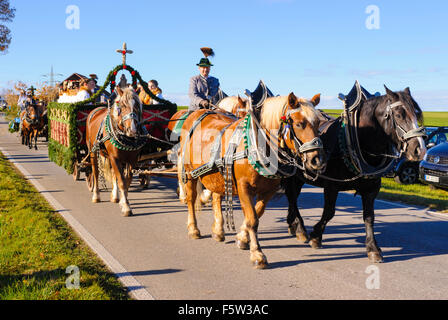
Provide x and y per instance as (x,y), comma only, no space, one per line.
(76,77)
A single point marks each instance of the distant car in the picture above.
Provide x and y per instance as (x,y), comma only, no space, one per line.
(407,172)
(434,167)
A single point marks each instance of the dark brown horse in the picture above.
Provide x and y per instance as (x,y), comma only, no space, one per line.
(382,125)
(30,125)
(113,134)
(291,127)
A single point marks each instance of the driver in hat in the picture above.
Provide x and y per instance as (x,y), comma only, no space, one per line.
(203,87)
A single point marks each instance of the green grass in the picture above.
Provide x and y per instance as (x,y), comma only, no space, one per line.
(37,245)
(415,194)
(431,119)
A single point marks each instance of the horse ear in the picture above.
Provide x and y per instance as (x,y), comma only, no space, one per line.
(407,91)
(292,100)
(390,93)
(315,100)
(240,100)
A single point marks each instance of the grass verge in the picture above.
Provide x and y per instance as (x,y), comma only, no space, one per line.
(37,246)
(415,194)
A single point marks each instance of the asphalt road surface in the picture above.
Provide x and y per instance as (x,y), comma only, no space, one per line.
(152,255)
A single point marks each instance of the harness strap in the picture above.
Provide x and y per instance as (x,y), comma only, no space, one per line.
(190,133)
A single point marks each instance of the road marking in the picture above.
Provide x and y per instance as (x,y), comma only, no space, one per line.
(136,289)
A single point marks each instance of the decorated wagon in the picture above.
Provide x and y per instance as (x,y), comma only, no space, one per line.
(67,124)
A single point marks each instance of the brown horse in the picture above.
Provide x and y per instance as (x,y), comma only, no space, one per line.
(113,134)
(291,124)
(30,125)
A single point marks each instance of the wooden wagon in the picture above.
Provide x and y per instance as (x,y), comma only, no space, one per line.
(67,127)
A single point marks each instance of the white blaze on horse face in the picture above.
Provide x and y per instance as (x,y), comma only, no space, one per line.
(133,127)
(421,142)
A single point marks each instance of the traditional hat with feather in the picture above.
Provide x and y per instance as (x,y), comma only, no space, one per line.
(208,52)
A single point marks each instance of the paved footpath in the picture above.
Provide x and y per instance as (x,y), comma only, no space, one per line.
(152,256)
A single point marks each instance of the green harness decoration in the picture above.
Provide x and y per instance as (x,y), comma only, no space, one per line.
(252,157)
(120,141)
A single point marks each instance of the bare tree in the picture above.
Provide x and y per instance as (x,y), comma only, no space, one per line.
(6,15)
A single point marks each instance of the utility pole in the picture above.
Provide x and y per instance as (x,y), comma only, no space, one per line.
(52,75)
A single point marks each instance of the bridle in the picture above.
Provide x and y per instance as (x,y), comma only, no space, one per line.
(303,148)
(27,115)
(130,116)
(403,135)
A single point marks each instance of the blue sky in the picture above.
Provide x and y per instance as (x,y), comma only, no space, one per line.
(307,47)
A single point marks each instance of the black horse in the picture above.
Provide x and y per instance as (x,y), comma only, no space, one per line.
(361,146)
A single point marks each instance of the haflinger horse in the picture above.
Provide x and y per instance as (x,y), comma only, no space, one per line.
(289,125)
(30,125)
(382,126)
(113,134)
(231,106)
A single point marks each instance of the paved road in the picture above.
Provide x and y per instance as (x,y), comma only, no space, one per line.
(152,255)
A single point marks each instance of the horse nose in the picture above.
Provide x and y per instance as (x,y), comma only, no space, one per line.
(317,162)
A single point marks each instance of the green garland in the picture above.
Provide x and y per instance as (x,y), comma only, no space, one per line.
(66,157)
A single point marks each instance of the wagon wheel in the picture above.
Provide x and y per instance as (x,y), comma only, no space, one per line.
(89,180)
(76,172)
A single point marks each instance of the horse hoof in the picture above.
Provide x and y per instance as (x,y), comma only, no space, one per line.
(194,235)
(218,237)
(260,264)
(315,244)
(242,245)
(115,200)
(292,229)
(302,237)
(375,257)
(128,213)
(96,200)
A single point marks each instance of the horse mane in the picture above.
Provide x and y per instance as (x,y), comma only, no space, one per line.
(229,103)
(404,97)
(128,95)
(274,107)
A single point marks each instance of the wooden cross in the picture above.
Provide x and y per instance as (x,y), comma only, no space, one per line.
(124,51)
(32,89)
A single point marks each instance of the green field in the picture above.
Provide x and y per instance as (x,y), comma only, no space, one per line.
(431,119)
(37,246)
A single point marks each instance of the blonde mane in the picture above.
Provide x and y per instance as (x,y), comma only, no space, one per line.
(229,103)
(274,108)
(128,95)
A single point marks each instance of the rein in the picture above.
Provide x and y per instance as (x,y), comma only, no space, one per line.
(354,160)
(402,134)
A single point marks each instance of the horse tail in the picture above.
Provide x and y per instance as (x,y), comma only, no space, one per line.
(106,167)
(182,191)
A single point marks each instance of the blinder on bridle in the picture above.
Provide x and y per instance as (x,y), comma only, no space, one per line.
(403,135)
(313,145)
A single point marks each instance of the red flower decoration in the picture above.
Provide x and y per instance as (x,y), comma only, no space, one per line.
(123,52)
(113,82)
(124,66)
(283,119)
(115,73)
(133,73)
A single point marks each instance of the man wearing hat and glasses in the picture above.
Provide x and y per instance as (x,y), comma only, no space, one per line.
(203,87)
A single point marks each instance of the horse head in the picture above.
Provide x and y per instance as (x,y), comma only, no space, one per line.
(32,113)
(127,112)
(399,116)
(298,123)
(240,108)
